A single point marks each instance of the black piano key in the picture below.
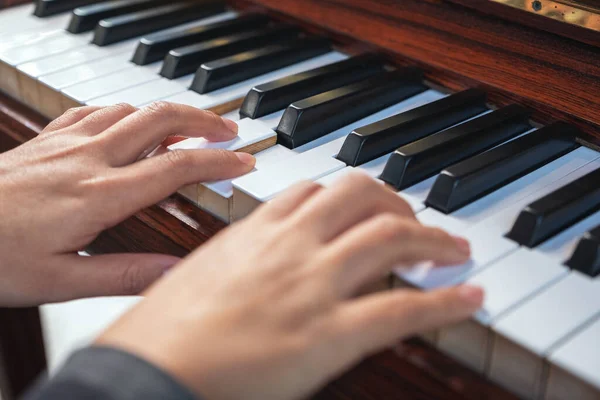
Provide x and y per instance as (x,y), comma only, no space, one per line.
(84,19)
(382,137)
(560,209)
(185,60)
(479,175)
(426,157)
(45,8)
(123,27)
(276,95)
(586,257)
(155,47)
(240,67)
(311,118)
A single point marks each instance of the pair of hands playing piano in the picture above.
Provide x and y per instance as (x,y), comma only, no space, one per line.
(269,308)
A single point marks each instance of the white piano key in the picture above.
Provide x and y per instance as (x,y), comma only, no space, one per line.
(418,192)
(501,222)
(146,92)
(20,13)
(266,183)
(503,201)
(249,132)
(507,283)
(528,333)
(553,314)
(485,249)
(316,159)
(487,237)
(126,78)
(239,90)
(580,356)
(561,246)
(71,58)
(20,31)
(373,169)
(85,72)
(268,156)
(513,279)
(53,45)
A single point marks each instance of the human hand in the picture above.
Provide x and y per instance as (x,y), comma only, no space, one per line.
(86,172)
(268,309)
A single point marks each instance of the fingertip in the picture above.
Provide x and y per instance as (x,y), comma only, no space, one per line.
(231,125)
(246,159)
(463,245)
(472,295)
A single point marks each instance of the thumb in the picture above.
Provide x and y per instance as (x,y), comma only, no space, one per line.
(108,275)
(172,170)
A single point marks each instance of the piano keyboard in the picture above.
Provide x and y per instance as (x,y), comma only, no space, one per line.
(526,196)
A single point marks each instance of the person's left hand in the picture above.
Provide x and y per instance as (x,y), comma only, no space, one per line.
(86,172)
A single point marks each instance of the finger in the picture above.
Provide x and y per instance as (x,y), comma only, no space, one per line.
(373,248)
(148,127)
(355,198)
(169,172)
(374,322)
(108,275)
(103,119)
(290,200)
(70,117)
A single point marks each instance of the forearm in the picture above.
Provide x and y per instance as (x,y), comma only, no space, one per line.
(109,374)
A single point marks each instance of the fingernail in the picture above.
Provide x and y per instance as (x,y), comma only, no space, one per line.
(471,294)
(246,158)
(463,245)
(231,125)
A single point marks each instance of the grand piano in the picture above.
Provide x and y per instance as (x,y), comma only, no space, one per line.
(483,114)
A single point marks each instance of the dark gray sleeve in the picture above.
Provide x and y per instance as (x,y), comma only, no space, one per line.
(104,373)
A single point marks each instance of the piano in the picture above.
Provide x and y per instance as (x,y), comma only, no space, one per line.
(483,115)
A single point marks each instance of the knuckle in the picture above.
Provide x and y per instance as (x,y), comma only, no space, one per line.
(74,111)
(179,159)
(391,226)
(437,234)
(132,279)
(224,158)
(123,108)
(216,120)
(162,109)
(306,186)
(359,182)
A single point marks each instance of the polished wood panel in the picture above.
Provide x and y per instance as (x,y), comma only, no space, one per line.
(458,48)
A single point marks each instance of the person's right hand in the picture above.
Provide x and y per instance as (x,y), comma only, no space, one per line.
(269,309)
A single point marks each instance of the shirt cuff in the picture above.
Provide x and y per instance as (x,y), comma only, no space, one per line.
(112,374)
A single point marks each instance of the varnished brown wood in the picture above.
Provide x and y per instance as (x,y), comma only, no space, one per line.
(22,356)
(10,3)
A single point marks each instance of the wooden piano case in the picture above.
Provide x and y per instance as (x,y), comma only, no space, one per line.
(553,69)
